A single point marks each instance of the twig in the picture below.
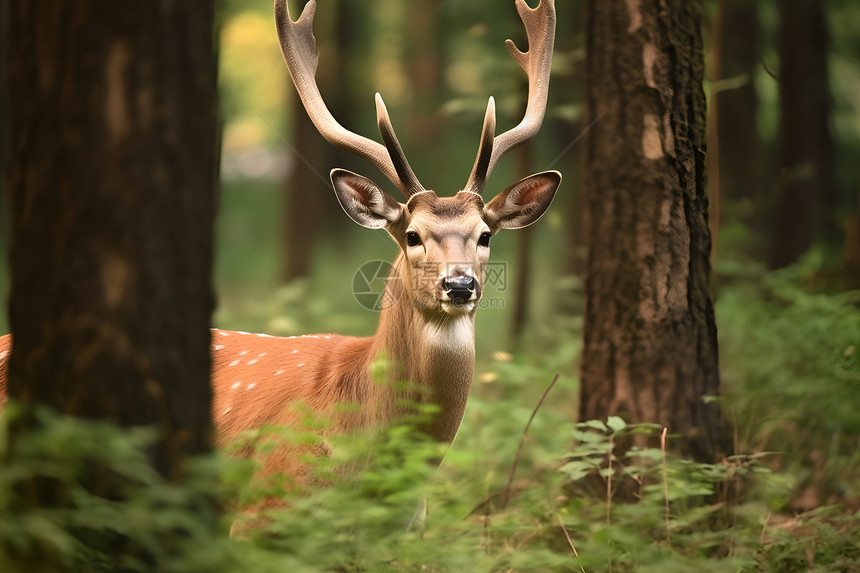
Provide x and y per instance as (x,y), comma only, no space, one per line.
(767,70)
(570,542)
(764,528)
(665,480)
(522,441)
(609,479)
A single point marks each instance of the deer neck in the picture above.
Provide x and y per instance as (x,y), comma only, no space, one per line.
(432,352)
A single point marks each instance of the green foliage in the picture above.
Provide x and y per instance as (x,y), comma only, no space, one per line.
(583,499)
(791,368)
(82,496)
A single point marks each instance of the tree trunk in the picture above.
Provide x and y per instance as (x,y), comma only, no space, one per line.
(309,203)
(521,290)
(851,256)
(650,348)
(735,102)
(112,184)
(305,196)
(424,65)
(4,118)
(805,185)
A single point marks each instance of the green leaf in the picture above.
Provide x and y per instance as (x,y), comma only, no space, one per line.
(597,425)
(616,423)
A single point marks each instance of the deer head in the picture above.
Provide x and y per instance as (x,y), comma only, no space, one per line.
(444,240)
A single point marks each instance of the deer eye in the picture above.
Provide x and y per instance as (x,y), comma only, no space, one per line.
(412,239)
(484,239)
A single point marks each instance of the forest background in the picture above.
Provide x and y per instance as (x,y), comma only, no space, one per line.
(786,266)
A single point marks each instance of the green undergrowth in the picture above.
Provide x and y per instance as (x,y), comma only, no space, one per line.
(598,496)
(791,375)
(524,487)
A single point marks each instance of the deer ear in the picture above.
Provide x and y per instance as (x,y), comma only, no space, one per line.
(364,201)
(522,203)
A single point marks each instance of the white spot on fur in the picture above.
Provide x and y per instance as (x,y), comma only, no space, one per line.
(3,354)
(217,347)
(236,385)
(300,364)
(261,335)
(294,352)
(251,385)
(243,353)
(260,355)
(279,372)
(226,411)
(234,363)
(243,332)
(254,361)
(222,333)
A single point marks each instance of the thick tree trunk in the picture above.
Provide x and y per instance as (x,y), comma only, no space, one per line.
(650,350)
(805,187)
(113,171)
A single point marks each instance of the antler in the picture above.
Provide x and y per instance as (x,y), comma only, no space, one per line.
(298,47)
(540,30)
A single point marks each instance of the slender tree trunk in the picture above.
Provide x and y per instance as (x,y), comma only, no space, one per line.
(735,102)
(650,349)
(521,294)
(805,186)
(305,196)
(851,257)
(424,65)
(4,117)
(113,171)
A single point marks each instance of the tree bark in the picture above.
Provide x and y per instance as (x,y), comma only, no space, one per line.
(650,348)
(113,171)
(805,188)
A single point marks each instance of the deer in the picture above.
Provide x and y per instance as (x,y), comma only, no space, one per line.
(427,333)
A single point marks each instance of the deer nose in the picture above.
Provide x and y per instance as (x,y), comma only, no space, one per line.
(460,289)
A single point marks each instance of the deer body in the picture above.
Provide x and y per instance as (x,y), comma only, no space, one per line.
(258,379)
(426,336)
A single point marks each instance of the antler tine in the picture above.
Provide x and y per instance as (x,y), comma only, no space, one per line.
(480,170)
(539,23)
(411,185)
(298,47)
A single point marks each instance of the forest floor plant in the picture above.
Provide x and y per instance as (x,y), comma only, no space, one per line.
(523,488)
